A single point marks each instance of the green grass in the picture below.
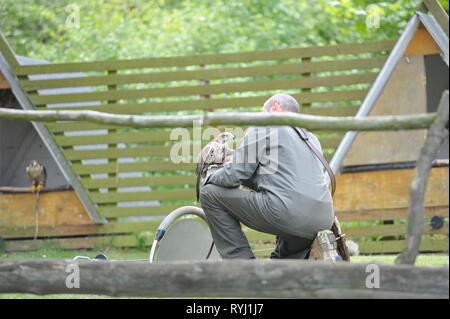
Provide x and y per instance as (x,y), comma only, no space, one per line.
(112,253)
(424,260)
(428,260)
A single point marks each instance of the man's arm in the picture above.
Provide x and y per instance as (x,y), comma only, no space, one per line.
(244,162)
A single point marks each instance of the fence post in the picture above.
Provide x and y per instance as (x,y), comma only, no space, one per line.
(435,135)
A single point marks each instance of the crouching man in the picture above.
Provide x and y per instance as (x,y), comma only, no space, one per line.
(288,197)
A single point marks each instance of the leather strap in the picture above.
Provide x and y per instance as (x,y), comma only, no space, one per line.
(304,136)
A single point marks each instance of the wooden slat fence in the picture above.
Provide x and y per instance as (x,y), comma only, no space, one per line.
(338,78)
(330,80)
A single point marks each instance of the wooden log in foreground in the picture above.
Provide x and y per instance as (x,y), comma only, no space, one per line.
(231,278)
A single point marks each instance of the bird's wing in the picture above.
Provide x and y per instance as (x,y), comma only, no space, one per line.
(205,157)
(33,174)
(43,177)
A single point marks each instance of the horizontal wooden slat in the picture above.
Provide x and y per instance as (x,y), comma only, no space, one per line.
(113,182)
(154,166)
(238,87)
(210,59)
(128,137)
(130,167)
(162,151)
(80,243)
(56,208)
(210,74)
(114,138)
(396,246)
(388,230)
(80,230)
(114,152)
(385,213)
(379,189)
(114,211)
(350,232)
(221,103)
(114,197)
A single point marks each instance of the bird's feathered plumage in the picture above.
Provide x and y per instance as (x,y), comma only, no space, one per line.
(214,152)
(37,174)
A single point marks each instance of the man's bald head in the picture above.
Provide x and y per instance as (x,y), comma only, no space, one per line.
(281,103)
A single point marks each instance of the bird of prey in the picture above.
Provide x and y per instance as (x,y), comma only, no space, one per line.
(37,175)
(214,153)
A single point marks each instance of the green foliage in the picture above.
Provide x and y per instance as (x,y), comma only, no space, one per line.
(119,29)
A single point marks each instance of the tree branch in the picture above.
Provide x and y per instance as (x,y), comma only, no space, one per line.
(310,122)
(429,151)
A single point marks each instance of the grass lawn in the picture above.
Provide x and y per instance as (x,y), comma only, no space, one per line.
(429,260)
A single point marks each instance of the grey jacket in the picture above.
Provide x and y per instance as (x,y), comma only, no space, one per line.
(293,193)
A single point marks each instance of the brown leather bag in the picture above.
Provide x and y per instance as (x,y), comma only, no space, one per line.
(335,228)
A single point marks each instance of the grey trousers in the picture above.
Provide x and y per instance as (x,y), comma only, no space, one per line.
(226,208)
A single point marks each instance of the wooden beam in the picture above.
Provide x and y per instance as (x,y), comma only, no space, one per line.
(8,52)
(310,122)
(422,43)
(56,208)
(388,189)
(439,13)
(230,278)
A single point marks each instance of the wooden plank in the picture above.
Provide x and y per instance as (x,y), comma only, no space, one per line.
(389,230)
(386,214)
(83,169)
(422,43)
(164,180)
(154,166)
(114,152)
(210,59)
(128,137)
(143,136)
(55,209)
(222,103)
(160,151)
(217,73)
(344,216)
(79,243)
(80,230)
(114,197)
(8,53)
(396,246)
(196,90)
(114,211)
(358,231)
(388,189)
(409,97)
(439,13)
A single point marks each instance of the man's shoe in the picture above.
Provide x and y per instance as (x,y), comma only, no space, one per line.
(324,247)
